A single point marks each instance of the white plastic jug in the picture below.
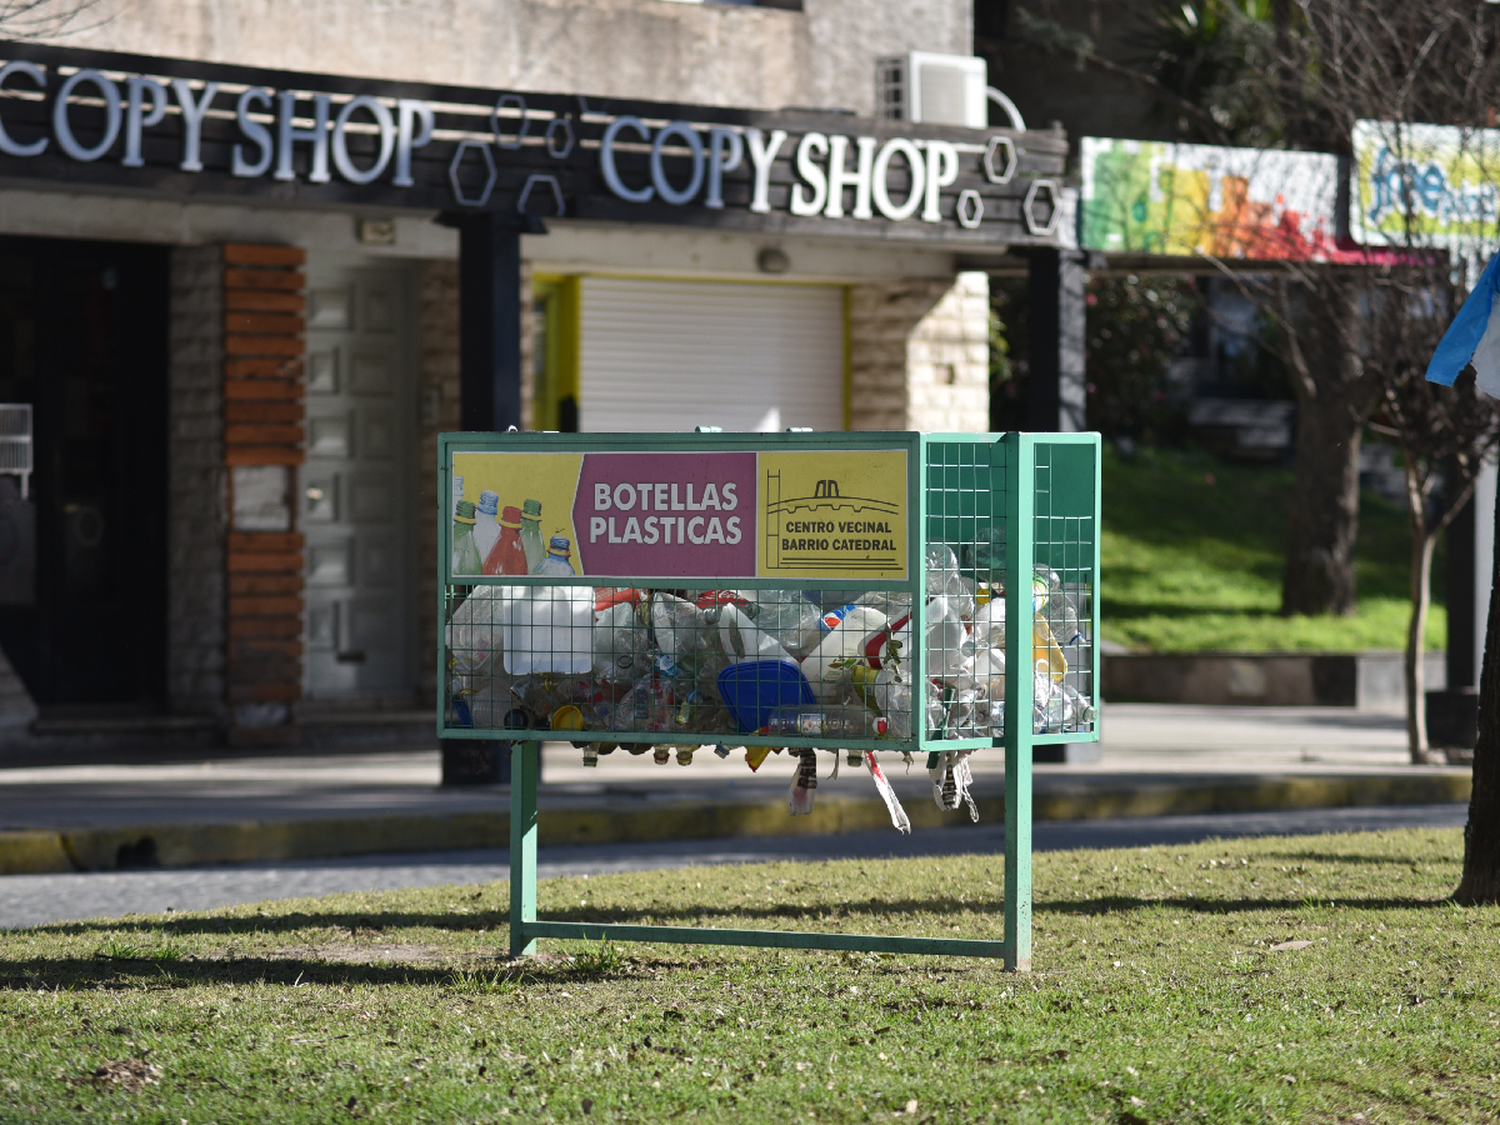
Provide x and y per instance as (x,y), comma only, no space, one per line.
(548,629)
(845,642)
(743,640)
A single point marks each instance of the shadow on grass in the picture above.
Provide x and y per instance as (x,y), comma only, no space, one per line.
(1306,856)
(495,973)
(179,925)
(474,974)
(880,909)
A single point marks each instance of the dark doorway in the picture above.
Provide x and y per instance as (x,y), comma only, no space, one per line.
(83,339)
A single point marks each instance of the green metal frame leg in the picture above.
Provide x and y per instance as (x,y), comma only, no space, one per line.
(1020,553)
(525,767)
(1018,855)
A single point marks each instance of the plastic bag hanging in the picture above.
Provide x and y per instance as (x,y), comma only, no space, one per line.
(951,781)
(804,783)
(899,819)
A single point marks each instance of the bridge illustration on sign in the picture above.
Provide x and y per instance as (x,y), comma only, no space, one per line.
(830,531)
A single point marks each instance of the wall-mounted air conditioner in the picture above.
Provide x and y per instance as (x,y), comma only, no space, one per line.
(934,89)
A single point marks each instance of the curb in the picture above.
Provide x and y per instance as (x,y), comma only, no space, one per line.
(36,852)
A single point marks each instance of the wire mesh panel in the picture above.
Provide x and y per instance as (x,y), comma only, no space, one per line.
(1066,558)
(662,592)
(629,666)
(964,581)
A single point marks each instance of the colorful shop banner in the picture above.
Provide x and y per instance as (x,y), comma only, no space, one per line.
(1154,197)
(795,514)
(1425,185)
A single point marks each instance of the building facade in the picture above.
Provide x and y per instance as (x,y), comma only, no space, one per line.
(232,277)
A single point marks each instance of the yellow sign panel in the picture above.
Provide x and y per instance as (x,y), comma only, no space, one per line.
(832,513)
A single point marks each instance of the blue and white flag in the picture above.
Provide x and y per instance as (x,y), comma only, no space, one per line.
(1473,337)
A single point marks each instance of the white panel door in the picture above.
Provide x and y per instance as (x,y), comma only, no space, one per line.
(671,355)
(356,484)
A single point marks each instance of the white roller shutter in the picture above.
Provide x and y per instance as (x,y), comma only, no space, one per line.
(671,355)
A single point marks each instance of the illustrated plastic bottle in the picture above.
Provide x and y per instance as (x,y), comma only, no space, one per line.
(531,534)
(820,722)
(466,558)
(486,529)
(458,492)
(507,556)
(556,563)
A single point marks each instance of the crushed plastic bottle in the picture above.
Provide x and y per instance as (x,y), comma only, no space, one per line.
(646,707)
(815,722)
(893,696)
(621,644)
(938,699)
(944,579)
(989,624)
(789,617)
(948,643)
(679,628)
(475,633)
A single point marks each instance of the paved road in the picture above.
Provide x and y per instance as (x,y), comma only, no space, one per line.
(29,900)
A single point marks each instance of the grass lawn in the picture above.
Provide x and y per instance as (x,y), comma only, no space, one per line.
(1193,550)
(1166,990)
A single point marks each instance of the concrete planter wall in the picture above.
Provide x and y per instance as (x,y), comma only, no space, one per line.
(1366,680)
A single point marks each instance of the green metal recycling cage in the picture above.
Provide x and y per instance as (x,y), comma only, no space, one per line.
(849,592)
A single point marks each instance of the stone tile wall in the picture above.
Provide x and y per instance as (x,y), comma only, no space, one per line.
(919,355)
(196,503)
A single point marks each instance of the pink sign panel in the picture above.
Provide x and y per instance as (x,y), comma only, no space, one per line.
(689,515)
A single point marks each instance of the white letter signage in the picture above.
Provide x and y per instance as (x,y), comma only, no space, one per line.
(668,193)
(62,128)
(35,73)
(387,127)
(607,159)
(812,176)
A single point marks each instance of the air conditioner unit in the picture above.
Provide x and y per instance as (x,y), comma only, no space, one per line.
(933,89)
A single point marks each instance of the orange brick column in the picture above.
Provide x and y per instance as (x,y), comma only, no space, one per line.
(264,309)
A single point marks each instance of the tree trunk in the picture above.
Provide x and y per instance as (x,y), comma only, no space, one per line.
(1422,544)
(1481,877)
(1335,394)
(1323,513)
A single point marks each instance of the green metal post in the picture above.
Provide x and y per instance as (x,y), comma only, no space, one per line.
(1020,501)
(525,766)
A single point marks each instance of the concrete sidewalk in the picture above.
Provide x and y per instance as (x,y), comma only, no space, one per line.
(1157,759)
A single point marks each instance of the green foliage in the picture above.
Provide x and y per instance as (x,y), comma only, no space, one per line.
(139,947)
(1135,327)
(1220,55)
(1192,556)
(1010,351)
(1263,980)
